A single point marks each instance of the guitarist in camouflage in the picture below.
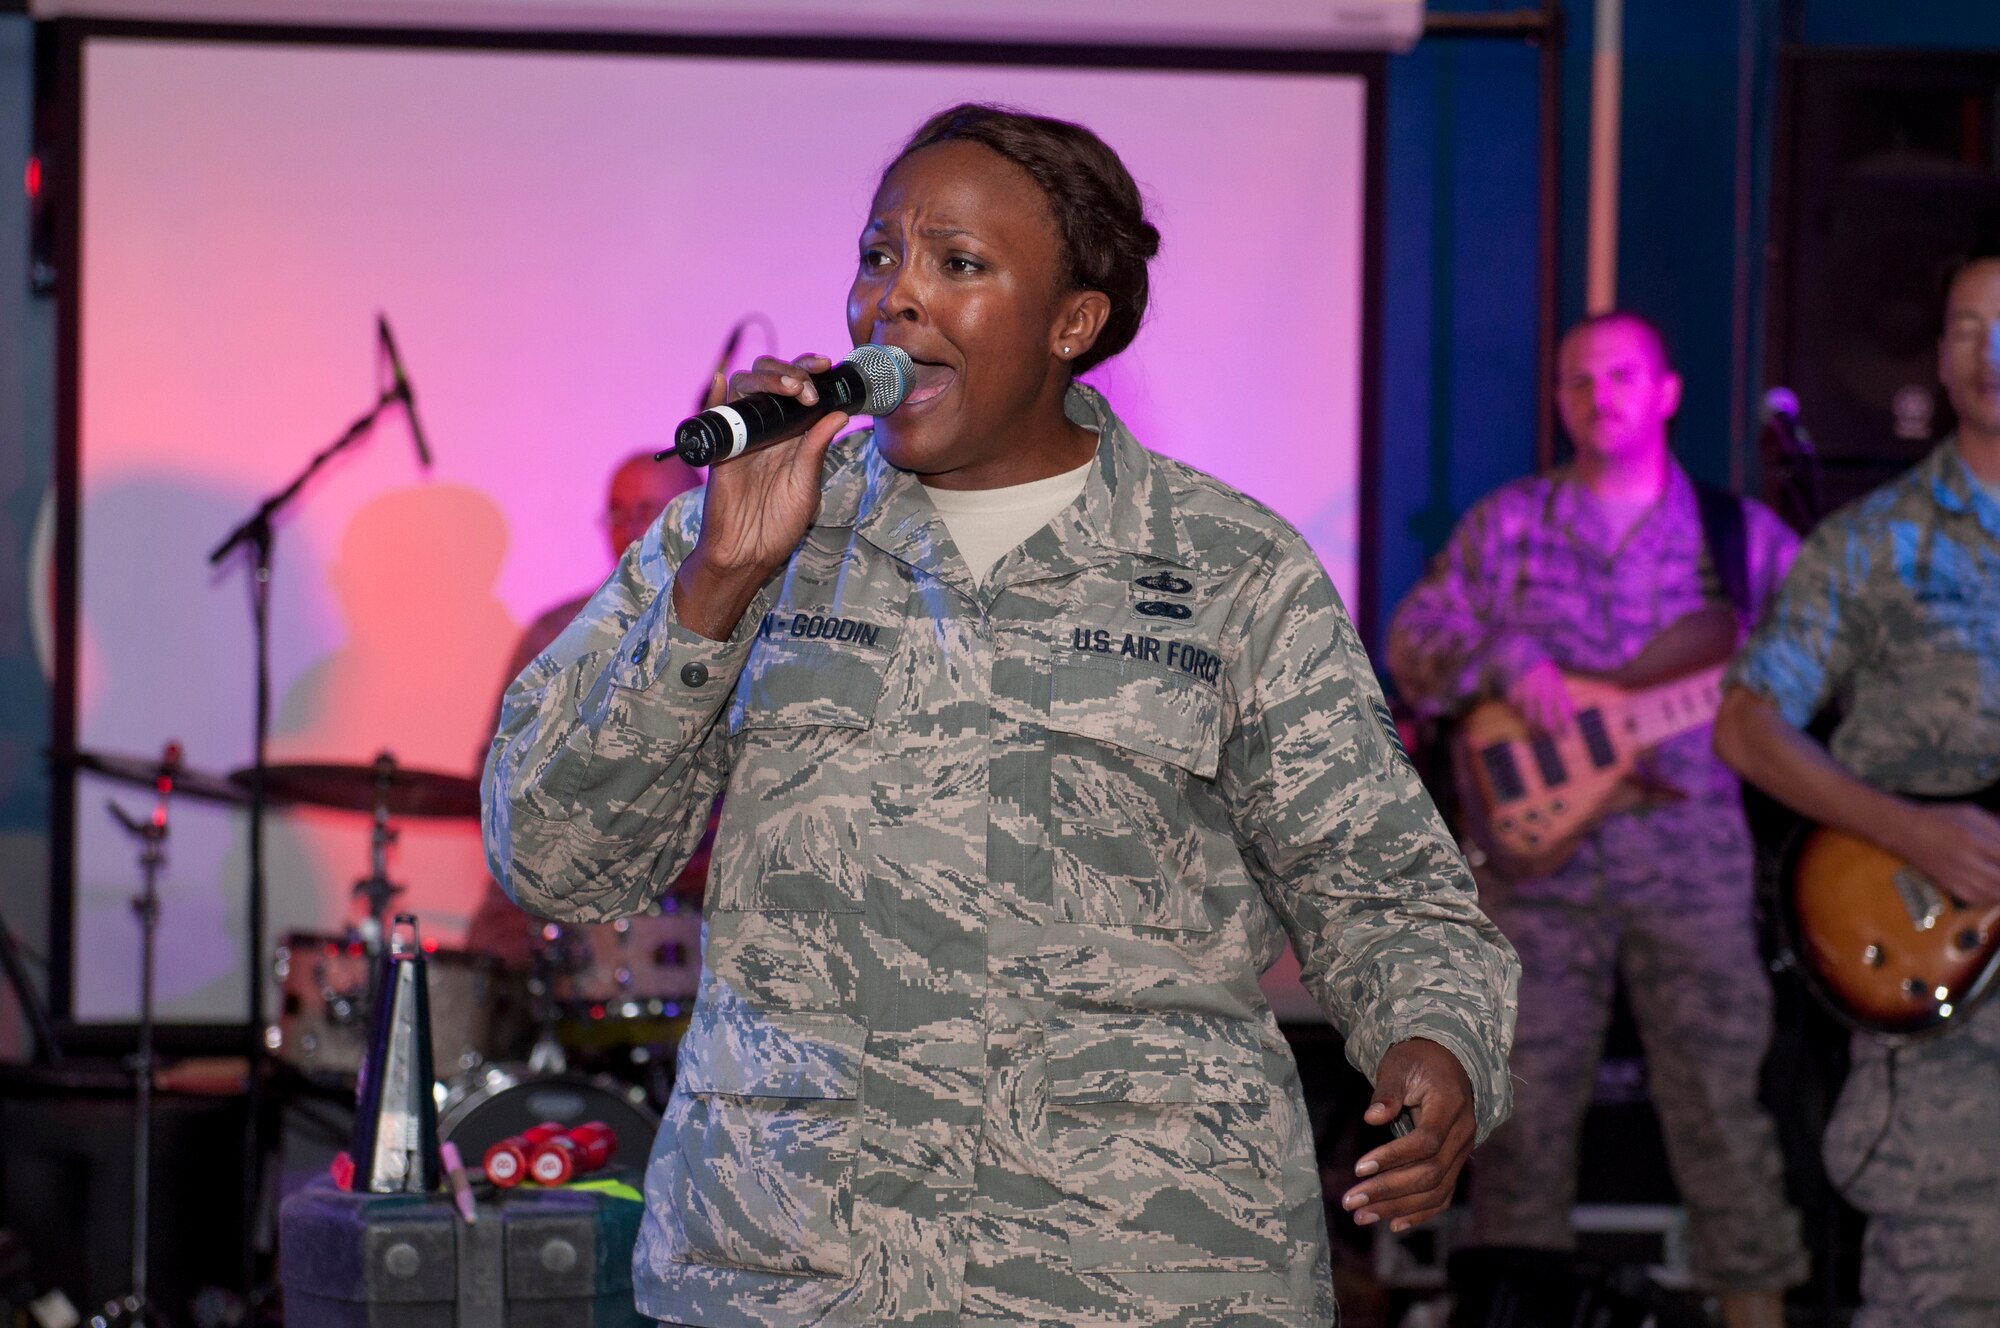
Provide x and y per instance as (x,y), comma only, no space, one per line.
(1577,571)
(1892,612)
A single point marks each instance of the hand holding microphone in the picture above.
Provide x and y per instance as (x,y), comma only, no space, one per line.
(872,380)
(767,446)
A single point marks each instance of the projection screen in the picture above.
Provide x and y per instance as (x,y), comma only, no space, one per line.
(560,239)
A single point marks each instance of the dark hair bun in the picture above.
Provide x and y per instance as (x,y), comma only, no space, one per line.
(1106,238)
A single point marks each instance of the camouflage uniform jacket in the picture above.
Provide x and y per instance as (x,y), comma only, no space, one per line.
(979,1035)
(1533,573)
(1893,613)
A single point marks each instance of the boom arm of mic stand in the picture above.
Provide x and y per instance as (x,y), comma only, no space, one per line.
(277,502)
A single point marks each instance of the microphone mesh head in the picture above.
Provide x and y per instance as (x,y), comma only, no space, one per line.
(1782,403)
(888,370)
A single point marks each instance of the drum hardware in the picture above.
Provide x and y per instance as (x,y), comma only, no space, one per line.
(381,784)
(376,887)
(151,836)
(625,986)
(547,1055)
(478,1007)
(144,772)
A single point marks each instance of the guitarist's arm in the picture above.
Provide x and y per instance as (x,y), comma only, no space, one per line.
(1449,643)
(1955,844)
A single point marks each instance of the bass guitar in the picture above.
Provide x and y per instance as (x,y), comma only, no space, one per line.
(1876,941)
(1527,799)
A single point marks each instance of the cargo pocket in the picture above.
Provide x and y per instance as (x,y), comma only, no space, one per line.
(1161,1140)
(1125,739)
(794,830)
(755,1163)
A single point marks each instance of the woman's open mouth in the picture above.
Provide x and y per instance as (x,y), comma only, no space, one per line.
(927,383)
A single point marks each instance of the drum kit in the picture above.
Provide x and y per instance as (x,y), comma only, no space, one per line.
(590,990)
(585,1030)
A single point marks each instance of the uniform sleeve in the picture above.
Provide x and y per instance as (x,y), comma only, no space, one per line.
(1345,844)
(610,747)
(1447,642)
(1816,628)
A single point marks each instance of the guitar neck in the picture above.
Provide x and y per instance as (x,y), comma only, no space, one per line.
(1654,714)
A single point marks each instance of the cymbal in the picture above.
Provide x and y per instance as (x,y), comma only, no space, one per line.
(144,771)
(357,788)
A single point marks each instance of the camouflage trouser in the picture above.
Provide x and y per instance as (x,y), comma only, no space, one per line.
(1916,1147)
(1664,899)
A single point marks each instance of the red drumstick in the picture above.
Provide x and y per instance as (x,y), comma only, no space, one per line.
(506,1162)
(585,1148)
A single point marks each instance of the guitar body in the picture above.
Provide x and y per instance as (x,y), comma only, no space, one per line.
(1528,823)
(1528,800)
(1880,946)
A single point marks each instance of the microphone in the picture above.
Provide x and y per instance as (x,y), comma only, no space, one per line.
(872,380)
(402,388)
(1781,416)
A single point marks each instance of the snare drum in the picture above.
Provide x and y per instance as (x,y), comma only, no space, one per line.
(479,1008)
(626,983)
(501,1101)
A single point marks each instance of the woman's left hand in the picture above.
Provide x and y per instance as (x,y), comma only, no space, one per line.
(1411,1179)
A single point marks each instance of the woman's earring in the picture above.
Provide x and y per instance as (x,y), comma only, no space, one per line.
(1065,350)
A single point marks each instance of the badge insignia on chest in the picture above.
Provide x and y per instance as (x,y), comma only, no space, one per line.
(1163,596)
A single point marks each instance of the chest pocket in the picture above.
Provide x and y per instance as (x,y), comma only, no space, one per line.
(794,828)
(1126,739)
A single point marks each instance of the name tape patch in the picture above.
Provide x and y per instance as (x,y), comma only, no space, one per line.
(819,627)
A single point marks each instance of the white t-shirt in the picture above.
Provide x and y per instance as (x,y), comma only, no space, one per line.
(986,523)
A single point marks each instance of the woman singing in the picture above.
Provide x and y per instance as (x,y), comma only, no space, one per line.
(1037,746)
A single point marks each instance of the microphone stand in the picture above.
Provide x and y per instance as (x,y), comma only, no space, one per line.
(136,1305)
(1794,462)
(257,532)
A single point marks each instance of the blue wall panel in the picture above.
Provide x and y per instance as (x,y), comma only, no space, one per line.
(1458,390)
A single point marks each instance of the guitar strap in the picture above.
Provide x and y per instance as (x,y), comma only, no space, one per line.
(1725,533)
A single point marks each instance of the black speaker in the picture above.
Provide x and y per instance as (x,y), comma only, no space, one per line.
(1887,165)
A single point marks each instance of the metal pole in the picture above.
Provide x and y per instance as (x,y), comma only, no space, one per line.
(1607,75)
(147,906)
(1548,294)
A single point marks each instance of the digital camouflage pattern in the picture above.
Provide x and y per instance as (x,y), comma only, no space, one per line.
(1535,572)
(979,1036)
(1893,612)
(1697,991)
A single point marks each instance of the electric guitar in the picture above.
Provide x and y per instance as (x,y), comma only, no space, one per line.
(1876,941)
(1527,799)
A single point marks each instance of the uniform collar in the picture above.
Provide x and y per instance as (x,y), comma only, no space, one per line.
(1953,488)
(1126,507)
(1573,508)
